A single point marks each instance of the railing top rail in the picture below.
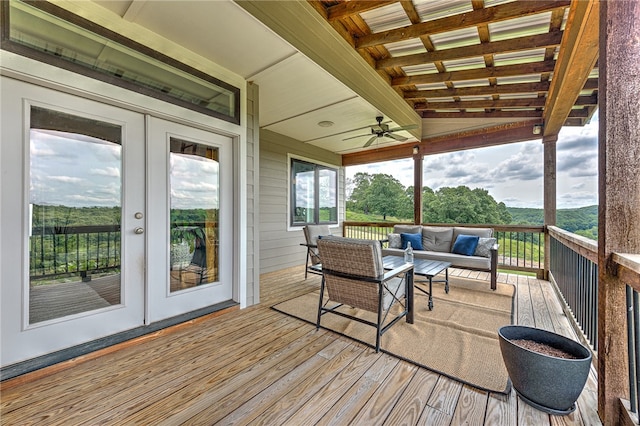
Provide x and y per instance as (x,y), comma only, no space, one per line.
(628,268)
(583,245)
(628,260)
(375,224)
(88,229)
(496,227)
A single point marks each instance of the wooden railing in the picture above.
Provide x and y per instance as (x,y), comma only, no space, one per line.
(521,247)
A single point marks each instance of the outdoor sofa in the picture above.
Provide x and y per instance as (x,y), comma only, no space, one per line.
(448,244)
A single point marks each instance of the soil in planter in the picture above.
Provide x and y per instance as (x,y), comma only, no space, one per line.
(543,348)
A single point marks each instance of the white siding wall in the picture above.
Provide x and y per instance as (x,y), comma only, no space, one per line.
(279,245)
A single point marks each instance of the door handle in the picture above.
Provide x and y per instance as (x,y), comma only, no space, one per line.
(139,230)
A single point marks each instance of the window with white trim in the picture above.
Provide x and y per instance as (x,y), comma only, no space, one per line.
(314,193)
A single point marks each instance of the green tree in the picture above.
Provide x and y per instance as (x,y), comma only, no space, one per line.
(385,195)
(358,198)
(405,210)
(463,205)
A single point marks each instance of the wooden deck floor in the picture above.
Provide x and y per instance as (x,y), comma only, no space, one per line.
(256,366)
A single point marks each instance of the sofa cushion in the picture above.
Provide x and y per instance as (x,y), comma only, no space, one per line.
(465,244)
(456,260)
(395,241)
(414,239)
(407,229)
(436,238)
(484,247)
(480,232)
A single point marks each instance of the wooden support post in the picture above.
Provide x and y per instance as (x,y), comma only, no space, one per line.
(619,191)
(549,143)
(417,188)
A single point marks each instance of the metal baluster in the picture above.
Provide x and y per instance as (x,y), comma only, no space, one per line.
(636,341)
(631,352)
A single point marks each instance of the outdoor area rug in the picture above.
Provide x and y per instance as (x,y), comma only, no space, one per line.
(458,338)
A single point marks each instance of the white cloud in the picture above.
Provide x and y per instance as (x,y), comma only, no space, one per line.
(512,173)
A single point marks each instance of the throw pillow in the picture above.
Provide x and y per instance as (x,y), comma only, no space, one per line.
(395,241)
(437,238)
(414,239)
(484,247)
(465,244)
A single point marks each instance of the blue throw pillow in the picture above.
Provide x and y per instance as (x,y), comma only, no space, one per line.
(465,244)
(414,239)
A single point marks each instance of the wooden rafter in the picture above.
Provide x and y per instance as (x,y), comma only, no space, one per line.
(476,74)
(533,74)
(478,91)
(512,45)
(350,8)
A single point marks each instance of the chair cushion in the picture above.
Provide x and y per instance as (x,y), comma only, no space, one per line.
(465,244)
(312,232)
(414,239)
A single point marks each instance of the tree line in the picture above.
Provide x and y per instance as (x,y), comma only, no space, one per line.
(383,195)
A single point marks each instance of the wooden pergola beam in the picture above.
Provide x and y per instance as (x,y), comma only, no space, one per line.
(480,138)
(577,58)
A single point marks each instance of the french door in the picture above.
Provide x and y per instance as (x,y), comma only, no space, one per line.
(191,191)
(110,219)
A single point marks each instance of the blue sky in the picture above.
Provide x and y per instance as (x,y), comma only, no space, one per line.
(512,173)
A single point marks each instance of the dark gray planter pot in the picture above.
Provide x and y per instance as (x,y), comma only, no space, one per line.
(547,383)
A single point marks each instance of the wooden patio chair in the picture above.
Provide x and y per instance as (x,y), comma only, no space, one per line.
(353,275)
(311,234)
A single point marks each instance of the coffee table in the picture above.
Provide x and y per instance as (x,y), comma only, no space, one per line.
(425,268)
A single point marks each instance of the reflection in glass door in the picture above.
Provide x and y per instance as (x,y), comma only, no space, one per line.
(194,204)
(74,213)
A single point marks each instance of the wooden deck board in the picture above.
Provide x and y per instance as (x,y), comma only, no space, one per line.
(257,366)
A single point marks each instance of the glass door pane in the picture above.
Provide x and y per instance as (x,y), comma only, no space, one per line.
(75,214)
(194,239)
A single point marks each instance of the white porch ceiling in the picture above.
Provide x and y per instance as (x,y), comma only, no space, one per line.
(295,92)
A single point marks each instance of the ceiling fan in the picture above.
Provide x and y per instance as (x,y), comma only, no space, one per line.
(382,130)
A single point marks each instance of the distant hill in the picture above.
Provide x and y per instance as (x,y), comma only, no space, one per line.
(582,221)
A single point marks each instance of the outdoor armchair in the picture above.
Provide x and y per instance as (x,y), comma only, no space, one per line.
(353,275)
(311,234)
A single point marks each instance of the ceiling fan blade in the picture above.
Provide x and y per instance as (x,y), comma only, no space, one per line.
(370,141)
(396,137)
(353,137)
